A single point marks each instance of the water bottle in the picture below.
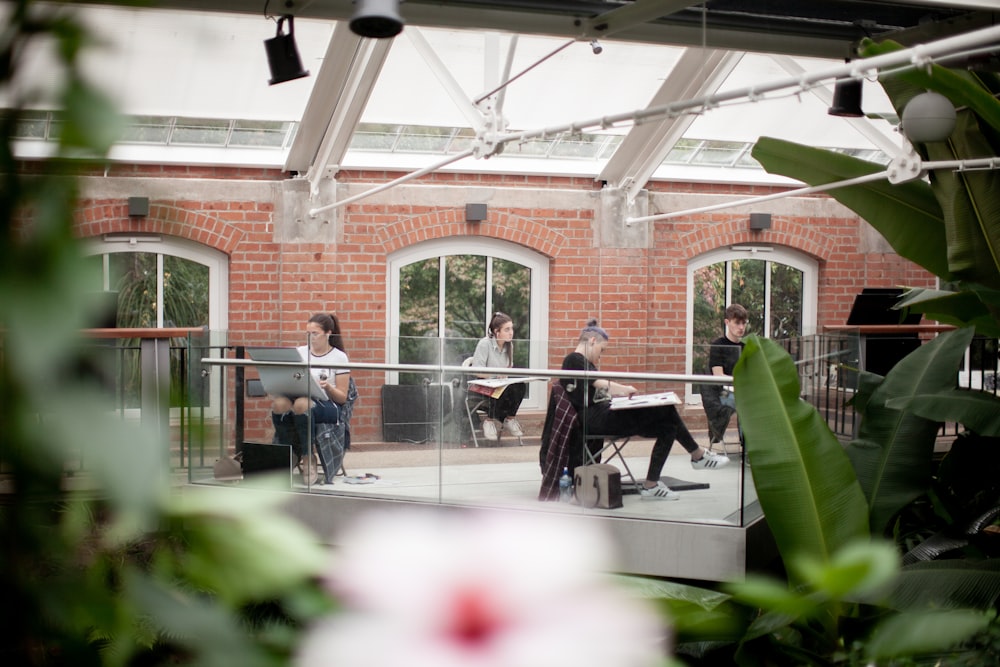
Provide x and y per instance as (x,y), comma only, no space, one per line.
(565,486)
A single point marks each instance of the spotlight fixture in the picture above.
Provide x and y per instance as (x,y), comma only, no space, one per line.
(595,46)
(847,99)
(928,117)
(282,54)
(376,18)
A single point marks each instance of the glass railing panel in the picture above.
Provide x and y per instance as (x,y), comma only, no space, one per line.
(416,435)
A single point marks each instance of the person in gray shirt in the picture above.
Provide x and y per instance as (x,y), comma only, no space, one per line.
(496,350)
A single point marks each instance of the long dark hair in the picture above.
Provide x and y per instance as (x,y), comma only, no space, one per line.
(331,325)
(496,323)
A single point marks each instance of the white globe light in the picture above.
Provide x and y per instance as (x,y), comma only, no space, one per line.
(928,117)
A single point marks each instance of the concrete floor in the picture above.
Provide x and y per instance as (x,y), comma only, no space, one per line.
(508,477)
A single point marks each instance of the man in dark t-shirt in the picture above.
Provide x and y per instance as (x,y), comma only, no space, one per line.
(717,399)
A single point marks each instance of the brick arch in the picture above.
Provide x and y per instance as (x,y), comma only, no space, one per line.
(517,229)
(783,232)
(99,218)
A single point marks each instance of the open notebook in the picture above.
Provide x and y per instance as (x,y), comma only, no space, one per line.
(286,380)
(644,400)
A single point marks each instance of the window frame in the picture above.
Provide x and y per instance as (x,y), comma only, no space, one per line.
(537,263)
(772,254)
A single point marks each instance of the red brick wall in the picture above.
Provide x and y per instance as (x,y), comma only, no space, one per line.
(639,293)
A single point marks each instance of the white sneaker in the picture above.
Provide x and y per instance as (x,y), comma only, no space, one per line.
(514,427)
(659,492)
(710,461)
(490,431)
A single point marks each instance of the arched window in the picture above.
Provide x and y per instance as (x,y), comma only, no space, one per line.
(443,293)
(159,282)
(778,287)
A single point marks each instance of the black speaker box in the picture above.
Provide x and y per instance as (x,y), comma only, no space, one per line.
(413,413)
(261,458)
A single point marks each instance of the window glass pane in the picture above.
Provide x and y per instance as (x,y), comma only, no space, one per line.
(683,151)
(465,296)
(375,137)
(424,139)
(709,309)
(201,131)
(512,295)
(264,134)
(185,304)
(29,125)
(464,305)
(578,145)
(610,146)
(418,315)
(748,290)
(532,148)
(786,301)
(720,153)
(185,293)
(133,275)
(146,130)
(462,140)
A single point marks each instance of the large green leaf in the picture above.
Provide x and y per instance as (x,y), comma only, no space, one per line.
(804,481)
(892,454)
(923,632)
(947,584)
(907,215)
(977,410)
(974,306)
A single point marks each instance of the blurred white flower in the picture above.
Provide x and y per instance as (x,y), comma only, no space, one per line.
(480,589)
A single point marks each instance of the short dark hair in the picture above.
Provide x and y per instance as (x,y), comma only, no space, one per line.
(736,312)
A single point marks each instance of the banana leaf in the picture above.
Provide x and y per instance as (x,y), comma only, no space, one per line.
(970,200)
(922,632)
(804,481)
(892,455)
(947,584)
(974,306)
(908,215)
(978,411)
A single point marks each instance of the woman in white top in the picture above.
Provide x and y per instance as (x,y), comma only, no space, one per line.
(290,414)
(497,350)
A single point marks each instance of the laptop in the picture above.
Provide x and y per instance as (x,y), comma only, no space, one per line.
(286,380)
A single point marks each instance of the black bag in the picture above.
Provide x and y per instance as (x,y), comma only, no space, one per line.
(598,485)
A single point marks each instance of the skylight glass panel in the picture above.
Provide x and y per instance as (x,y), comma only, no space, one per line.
(200,132)
(532,148)
(147,130)
(578,146)
(462,140)
(422,139)
(259,134)
(30,124)
(375,137)
(722,153)
(683,151)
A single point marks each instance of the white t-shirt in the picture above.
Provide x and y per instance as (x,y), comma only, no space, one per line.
(334,356)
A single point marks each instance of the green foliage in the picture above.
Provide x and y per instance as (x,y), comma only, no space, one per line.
(804,481)
(893,451)
(122,572)
(846,595)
